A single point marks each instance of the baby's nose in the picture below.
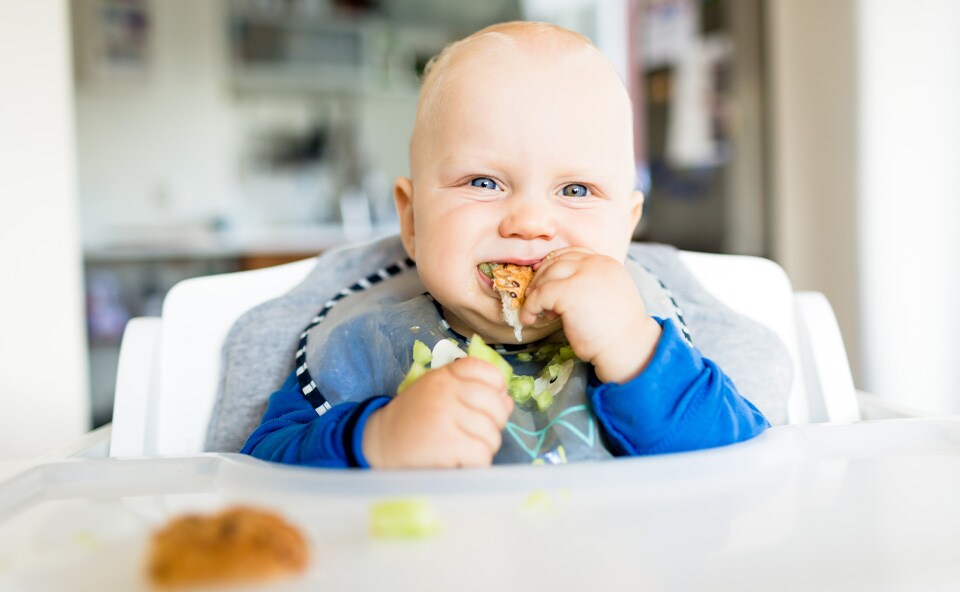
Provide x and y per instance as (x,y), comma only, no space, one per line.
(528,217)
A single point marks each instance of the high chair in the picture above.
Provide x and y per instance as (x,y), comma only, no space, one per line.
(169,366)
(879,494)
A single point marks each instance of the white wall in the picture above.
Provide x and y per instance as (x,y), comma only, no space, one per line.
(43,376)
(910,200)
(158,146)
(812,71)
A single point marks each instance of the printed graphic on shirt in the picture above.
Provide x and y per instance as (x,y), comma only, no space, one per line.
(576,420)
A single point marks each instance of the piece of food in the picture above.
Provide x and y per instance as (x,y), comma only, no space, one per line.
(551,381)
(444,352)
(422,356)
(538,500)
(511,282)
(410,518)
(543,399)
(521,388)
(240,545)
(416,371)
(478,348)
(421,353)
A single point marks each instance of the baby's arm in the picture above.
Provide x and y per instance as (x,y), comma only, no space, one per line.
(291,431)
(450,417)
(655,392)
(681,401)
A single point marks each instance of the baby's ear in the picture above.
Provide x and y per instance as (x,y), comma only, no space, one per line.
(403,197)
(636,209)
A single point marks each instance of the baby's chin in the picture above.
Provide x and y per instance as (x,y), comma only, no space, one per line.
(493,329)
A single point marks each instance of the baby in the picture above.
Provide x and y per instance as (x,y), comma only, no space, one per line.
(522,153)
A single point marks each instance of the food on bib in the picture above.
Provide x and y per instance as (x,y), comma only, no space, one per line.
(480,350)
(422,356)
(511,282)
(239,545)
(542,390)
(445,352)
(521,388)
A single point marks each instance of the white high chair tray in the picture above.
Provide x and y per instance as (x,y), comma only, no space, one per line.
(869,506)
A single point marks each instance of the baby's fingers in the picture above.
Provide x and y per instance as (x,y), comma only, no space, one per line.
(478,428)
(544,303)
(564,253)
(495,404)
(475,370)
(474,456)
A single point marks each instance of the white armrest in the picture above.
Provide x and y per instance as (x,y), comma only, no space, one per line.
(826,371)
(876,407)
(136,382)
(760,290)
(93,444)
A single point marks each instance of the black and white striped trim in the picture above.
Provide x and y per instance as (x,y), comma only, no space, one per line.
(502,349)
(307,385)
(676,309)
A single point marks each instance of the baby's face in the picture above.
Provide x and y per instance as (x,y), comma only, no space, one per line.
(518,159)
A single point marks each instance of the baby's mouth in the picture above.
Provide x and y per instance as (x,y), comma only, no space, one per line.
(509,281)
(487,270)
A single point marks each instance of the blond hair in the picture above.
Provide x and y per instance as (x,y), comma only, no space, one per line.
(514,36)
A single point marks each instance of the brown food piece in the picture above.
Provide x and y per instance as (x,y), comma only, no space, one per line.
(239,545)
(512,281)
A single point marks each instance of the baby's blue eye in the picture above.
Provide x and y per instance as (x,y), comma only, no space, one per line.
(575,190)
(484,183)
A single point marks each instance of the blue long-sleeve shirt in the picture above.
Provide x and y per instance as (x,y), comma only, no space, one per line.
(681,401)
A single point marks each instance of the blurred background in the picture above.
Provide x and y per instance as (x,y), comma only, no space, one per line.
(145,141)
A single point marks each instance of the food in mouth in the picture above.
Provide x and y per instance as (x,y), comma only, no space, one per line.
(510,281)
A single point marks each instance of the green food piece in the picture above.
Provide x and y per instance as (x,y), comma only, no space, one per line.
(487,269)
(545,352)
(551,371)
(521,388)
(524,357)
(562,453)
(421,353)
(409,518)
(416,371)
(538,499)
(555,352)
(544,400)
(480,350)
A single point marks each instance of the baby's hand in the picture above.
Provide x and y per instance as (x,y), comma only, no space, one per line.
(449,417)
(604,317)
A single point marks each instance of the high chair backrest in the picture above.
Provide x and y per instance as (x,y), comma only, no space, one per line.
(169,366)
